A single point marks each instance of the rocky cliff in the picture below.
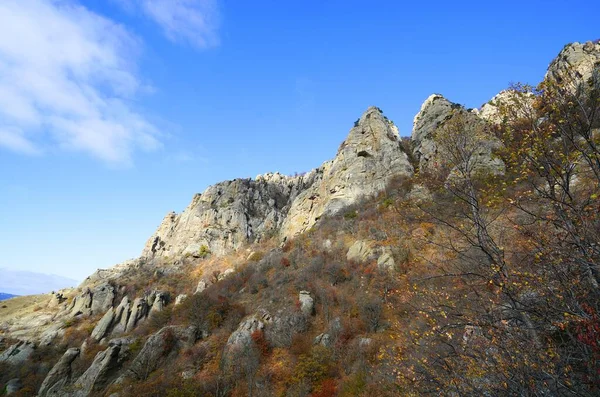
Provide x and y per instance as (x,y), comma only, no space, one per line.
(233,213)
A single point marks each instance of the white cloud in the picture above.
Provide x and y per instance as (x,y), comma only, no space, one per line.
(68,78)
(13,139)
(192,21)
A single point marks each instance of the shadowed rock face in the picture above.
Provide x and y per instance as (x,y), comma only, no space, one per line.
(233,213)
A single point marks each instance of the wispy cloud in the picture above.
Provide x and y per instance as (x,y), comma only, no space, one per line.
(192,21)
(68,79)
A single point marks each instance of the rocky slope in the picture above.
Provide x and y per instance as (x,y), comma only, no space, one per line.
(226,218)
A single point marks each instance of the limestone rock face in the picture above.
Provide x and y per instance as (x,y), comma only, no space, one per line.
(233,213)
(434,113)
(518,102)
(226,216)
(577,60)
(365,162)
(60,375)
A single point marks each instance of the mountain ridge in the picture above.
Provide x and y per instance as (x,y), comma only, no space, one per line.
(311,263)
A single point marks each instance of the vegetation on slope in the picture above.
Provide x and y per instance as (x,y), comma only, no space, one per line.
(495,289)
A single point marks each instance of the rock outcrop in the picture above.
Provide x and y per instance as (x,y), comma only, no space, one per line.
(365,163)
(60,375)
(18,353)
(104,368)
(576,60)
(226,216)
(519,103)
(13,386)
(158,346)
(434,113)
(102,327)
(307,303)
(233,213)
(243,334)
(95,300)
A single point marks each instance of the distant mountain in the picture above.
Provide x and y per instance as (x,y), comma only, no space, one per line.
(4,296)
(19,282)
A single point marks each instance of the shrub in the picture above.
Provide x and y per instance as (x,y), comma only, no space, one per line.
(351,215)
(313,367)
(203,252)
(371,309)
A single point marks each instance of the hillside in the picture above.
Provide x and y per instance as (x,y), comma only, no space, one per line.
(461,261)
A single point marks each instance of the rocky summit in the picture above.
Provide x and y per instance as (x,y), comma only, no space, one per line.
(462,260)
(230,214)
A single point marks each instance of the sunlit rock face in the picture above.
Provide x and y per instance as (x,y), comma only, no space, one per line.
(576,61)
(233,213)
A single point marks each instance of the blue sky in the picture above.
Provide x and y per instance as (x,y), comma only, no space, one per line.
(114,112)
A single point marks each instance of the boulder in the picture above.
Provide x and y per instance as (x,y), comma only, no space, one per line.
(158,346)
(13,386)
(361,251)
(60,375)
(202,285)
(180,298)
(103,326)
(243,334)
(386,260)
(18,353)
(323,340)
(104,368)
(139,311)
(307,303)
(225,274)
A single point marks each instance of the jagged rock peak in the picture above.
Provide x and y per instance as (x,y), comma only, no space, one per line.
(577,59)
(232,213)
(371,127)
(366,161)
(430,101)
(434,111)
